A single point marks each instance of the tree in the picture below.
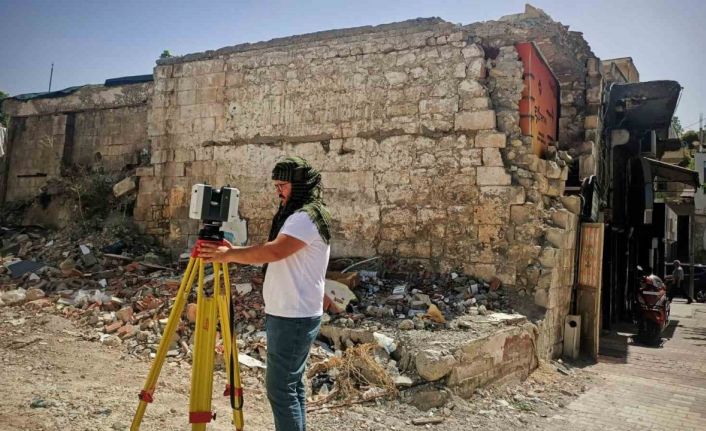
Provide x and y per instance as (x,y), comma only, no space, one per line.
(3,117)
(690,136)
(165,54)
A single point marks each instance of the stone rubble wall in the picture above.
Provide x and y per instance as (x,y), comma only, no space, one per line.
(570,58)
(541,231)
(414,126)
(42,137)
(415,132)
(109,130)
(398,123)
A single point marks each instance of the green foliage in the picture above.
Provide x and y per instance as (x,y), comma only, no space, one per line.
(3,117)
(690,136)
(165,54)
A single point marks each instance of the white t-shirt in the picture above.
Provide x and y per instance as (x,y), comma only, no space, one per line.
(294,286)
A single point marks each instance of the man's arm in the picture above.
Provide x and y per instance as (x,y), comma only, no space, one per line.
(281,247)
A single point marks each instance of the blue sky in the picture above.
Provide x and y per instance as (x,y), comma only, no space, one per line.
(90,41)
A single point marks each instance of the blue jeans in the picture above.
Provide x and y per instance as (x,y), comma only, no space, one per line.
(288,344)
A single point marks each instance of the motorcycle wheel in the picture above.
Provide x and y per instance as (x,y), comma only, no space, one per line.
(649,333)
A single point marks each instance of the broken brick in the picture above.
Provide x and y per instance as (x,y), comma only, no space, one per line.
(113,327)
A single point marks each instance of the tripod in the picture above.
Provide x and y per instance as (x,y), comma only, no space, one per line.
(210,303)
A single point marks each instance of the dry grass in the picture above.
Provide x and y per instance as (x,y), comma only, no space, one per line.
(358,372)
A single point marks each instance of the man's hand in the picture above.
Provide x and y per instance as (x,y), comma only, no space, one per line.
(214,252)
(280,248)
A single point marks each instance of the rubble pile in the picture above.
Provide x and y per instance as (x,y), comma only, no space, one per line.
(438,297)
(121,287)
(124,287)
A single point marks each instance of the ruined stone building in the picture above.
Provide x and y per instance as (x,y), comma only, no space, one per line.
(416,127)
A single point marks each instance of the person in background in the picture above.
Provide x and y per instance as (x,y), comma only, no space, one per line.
(678,283)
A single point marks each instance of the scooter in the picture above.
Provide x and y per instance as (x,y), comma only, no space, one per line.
(653,308)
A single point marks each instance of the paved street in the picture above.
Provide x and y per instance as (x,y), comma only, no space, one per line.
(644,388)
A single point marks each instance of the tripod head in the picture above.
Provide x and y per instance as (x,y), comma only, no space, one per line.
(211,231)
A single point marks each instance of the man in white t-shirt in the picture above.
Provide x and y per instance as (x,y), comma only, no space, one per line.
(296,254)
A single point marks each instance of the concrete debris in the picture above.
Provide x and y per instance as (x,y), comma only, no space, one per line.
(433,365)
(385,342)
(336,296)
(406,325)
(427,420)
(124,187)
(243,288)
(249,361)
(126,299)
(429,398)
(12,297)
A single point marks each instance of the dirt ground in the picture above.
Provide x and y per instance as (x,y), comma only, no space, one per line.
(54,377)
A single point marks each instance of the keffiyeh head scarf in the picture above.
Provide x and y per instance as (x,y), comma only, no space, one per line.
(306,196)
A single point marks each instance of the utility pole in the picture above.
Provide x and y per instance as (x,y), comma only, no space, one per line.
(51,74)
(692,262)
(701,132)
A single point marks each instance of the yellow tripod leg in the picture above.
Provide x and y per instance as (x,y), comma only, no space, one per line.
(204,351)
(146,395)
(230,351)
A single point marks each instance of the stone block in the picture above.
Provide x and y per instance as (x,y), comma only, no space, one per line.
(210,80)
(476,69)
(184,155)
(572,203)
(173,169)
(521,214)
(558,238)
(475,103)
(433,365)
(124,186)
(439,106)
(472,50)
(594,66)
(395,78)
(149,185)
(591,122)
(471,157)
(471,88)
(477,366)
(491,139)
(491,233)
(460,70)
(553,170)
(593,95)
(430,399)
(186,97)
(144,171)
(492,157)
(562,218)
(492,176)
(477,120)
(555,188)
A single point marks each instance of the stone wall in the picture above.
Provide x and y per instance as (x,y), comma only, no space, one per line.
(94,126)
(414,126)
(415,130)
(42,137)
(396,119)
(540,237)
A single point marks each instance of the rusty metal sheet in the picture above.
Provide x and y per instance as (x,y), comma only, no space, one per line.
(539,106)
(588,295)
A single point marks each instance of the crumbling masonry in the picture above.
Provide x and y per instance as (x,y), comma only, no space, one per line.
(414,125)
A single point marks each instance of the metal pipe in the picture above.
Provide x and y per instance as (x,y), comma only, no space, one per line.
(51,75)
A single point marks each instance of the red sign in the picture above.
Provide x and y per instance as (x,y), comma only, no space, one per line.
(539,106)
